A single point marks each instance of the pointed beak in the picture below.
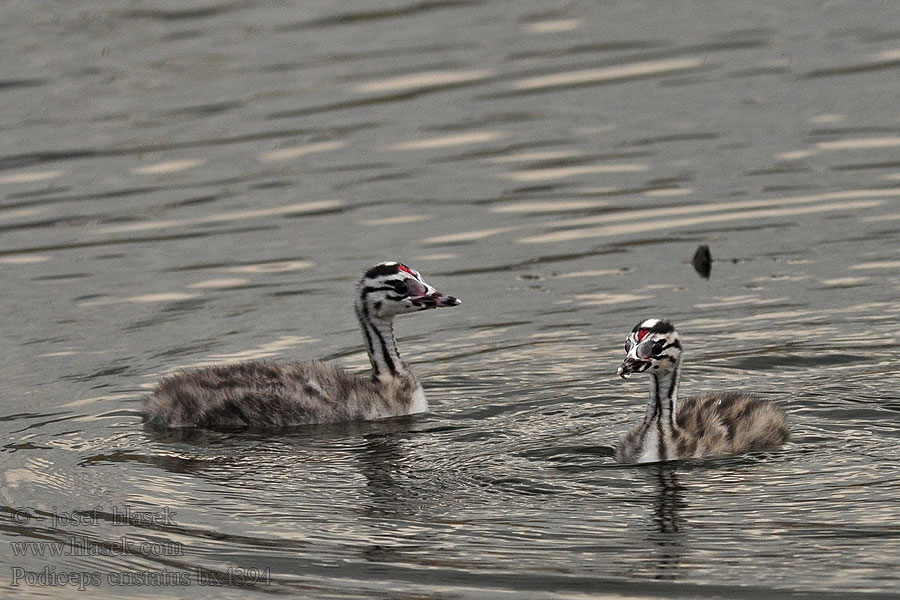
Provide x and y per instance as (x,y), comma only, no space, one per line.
(446,300)
(431,298)
(631,365)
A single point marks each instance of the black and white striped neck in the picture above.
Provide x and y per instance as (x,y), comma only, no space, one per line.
(385,291)
(381,346)
(661,427)
(663,395)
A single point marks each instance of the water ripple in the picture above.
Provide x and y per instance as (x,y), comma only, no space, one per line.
(205,184)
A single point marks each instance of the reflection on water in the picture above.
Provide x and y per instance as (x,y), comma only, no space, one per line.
(196,185)
(607,74)
(667,542)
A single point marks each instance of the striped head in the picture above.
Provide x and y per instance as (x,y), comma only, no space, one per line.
(653,345)
(389,289)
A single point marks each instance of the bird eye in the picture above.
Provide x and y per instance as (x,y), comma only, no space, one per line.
(399,286)
(644,350)
(658,347)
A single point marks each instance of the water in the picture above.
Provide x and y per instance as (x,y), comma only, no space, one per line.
(183,185)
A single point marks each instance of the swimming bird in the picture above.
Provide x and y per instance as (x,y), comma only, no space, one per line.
(713,424)
(260,394)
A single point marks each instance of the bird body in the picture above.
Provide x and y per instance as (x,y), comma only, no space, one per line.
(265,394)
(713,424)
(258,394)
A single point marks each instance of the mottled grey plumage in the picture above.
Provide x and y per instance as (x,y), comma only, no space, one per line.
(264,394)
(716,424)
(260,394)
(713,424)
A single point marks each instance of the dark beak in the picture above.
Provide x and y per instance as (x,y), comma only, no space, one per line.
(436,300)
(445,300)
(631,365)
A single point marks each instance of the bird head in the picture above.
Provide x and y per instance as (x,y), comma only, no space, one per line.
(653,345)
(391,288)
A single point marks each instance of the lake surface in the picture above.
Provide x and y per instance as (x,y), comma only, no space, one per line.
(193,183)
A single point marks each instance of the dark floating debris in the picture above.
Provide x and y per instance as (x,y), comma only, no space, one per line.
(702,261)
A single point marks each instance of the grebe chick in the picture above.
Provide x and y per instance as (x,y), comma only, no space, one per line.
(713,424)
(262,394)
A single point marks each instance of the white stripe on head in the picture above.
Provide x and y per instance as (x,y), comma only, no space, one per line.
(649,323)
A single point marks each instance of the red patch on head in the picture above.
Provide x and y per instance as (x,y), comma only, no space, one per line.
(642,333)
(406,269)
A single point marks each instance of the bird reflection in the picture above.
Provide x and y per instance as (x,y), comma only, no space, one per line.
(384,461)
(381,461)
(667,538)
(668,500)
